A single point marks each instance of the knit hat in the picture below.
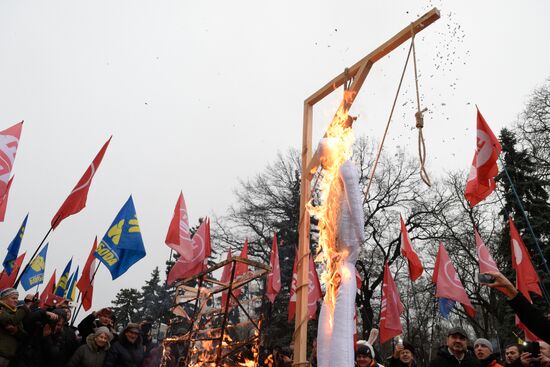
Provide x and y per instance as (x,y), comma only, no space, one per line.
(409,347)
(132,327)
(5,293)
(485,342)
(364,348)
(103,330)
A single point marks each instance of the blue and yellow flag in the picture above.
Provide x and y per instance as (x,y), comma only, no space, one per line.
(71,290)
(63,281)
(122,245)
(13,248)
(34,275)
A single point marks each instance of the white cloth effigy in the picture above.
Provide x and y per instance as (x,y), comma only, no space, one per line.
(335,332)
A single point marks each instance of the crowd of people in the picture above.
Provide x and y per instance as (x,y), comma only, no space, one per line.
(31,336)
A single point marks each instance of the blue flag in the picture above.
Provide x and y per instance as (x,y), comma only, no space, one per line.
(122,245)
(34,274)
(63,281)
(13,248)
(445,306)
(71,290)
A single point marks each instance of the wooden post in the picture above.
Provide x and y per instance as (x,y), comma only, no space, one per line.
(357,73)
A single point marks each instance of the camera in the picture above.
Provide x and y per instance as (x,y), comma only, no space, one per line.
(485,278)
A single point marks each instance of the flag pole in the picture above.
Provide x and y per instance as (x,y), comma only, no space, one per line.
(520,205)
(35,252)
(85,292)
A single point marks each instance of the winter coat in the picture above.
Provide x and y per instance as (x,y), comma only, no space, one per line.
(396,362)
(532,318)
(11,329)
(89,354)
(125,354)
(490,361)
(446,359)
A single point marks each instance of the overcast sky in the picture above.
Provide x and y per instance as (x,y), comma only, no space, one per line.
(199,95)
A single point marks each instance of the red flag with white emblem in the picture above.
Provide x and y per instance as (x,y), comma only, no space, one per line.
(481,181)
(273,284)
(4,201)
(185,268)
(9,141)
(415,266)
(314,291)
(179,237)
(76,201)
(527,279)
(390,316)
(484,258)
(85,283)
(448,283)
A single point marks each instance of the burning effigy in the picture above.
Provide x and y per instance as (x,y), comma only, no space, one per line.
(218,322)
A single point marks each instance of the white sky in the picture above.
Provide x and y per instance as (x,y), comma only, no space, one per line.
(201,94)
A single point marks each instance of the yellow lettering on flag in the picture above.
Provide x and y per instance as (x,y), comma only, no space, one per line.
(106,253)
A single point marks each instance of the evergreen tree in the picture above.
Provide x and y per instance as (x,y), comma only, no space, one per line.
(125,306)
(154,300)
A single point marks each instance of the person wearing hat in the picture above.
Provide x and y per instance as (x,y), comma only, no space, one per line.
(403,355)
(455,353)
(92,354)
(11,328)
(103,317)
(364,355)
(127,351)
(483,350)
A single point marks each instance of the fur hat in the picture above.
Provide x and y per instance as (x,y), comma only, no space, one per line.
(103,330)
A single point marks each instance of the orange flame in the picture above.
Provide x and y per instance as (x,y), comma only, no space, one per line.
(331,189)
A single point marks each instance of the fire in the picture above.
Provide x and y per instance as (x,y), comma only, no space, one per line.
(330,191)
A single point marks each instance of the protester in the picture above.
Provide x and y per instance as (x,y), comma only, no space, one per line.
(532,318)
(364,355)
(455,353)
(512,353)
(11,327)
(403,356)
(127,351)
(103,317)
(483,350)
(92,354)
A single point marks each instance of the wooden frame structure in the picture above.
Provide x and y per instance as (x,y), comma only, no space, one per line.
(356,74)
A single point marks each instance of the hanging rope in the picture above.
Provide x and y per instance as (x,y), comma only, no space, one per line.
(419,115)
(388,123)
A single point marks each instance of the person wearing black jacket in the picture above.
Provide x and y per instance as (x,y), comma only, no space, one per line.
(403,356)
(456,352)
(128,350)
(90,323)
(532,318)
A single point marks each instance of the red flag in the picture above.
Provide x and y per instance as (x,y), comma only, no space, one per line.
(85,283)
(481,181)
(9,141)
(226,277)
(7,281)
(390,316)
(242,268)
(486,262)
(415,266)
(527,279)
(184,268)
(76,201)
(448,283)
(48,290)
(313,292)
(273,284)
(179,236)
(4,201)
